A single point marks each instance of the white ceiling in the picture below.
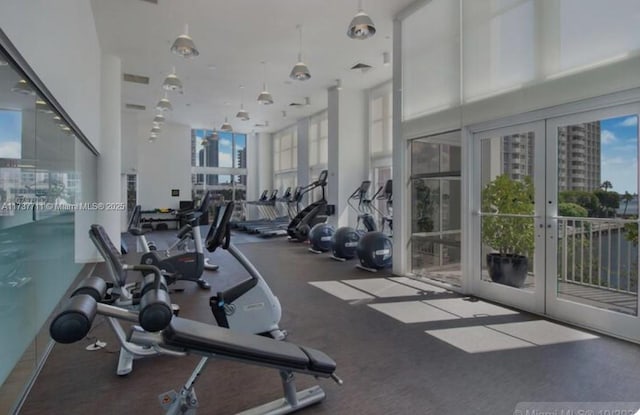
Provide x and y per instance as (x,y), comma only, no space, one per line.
(234,37)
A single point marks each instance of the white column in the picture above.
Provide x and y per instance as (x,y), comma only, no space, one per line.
(265,161)
(253,173)
(348,150)
(110,138)
(401,202)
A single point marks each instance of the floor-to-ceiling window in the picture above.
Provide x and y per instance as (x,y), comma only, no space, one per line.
(285,159)
(219,164)
(318,148)
(44,171)
(381,140)
(436,214)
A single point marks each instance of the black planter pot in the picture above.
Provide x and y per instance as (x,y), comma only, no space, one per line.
(508,269)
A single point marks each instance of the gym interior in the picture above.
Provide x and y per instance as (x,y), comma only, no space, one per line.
(331,207)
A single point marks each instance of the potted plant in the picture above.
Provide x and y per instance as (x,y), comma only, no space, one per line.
(510,237)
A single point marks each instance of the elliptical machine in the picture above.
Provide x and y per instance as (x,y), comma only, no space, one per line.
(249,306)
(346,238)
(188,265)
(375,248)
(317,212)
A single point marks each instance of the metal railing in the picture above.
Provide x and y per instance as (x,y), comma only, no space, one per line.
(596,252)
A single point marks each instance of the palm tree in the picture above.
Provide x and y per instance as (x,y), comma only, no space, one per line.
(606,185)
(626,198)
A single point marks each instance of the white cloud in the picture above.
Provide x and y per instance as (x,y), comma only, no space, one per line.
(629,122)
(608,161)
(225,159)
(618,174)
(11,150)
(607,137)
(224,142)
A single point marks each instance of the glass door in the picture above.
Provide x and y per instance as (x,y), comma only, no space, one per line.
(592,219)
(508,220)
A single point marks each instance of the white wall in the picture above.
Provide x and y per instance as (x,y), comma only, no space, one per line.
(163,165)
(59,41)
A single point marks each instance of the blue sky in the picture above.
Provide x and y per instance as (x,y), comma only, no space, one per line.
(619,153)
(10,134)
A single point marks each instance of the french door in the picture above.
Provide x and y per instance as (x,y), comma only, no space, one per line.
(571,184)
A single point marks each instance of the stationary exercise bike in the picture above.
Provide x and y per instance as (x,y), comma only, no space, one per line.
(250,306)
(317,212)
(187,265)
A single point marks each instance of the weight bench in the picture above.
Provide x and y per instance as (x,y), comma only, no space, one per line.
(166,334)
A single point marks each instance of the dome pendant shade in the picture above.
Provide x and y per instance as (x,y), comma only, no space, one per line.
(184,45)
(265,97)
(214,135)
(204,142)
(155,130)
(361,27)
(159,119)
(225,125)
(242,114)
(172,82)
(164,104)
(300,72)
(22,87)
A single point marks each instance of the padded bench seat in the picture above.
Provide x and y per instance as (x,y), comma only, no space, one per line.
(205,338)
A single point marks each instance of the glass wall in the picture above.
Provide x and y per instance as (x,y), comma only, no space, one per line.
(436,207)
(40,180)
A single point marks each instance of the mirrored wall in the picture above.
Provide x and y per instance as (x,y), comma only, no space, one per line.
(41,177)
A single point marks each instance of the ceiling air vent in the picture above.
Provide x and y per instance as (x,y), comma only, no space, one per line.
(135,107)
(265,124)
(136,79)
(151,1)
(362,67)
(296,104)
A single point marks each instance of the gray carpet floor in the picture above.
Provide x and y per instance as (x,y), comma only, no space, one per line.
(388,367)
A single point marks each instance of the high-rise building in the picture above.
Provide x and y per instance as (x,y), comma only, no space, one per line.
(242,163)
(578,156)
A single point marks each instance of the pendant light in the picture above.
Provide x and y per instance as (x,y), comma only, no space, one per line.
(164,104)
(204,142)
(159,118)
(300,71)
(184,45)
(22,87)
(42,106)
(242,114)
(155,130)
(265,97)
(361,26)
(226,126)
(172,82)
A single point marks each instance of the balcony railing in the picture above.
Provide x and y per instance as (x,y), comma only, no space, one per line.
(597,252)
